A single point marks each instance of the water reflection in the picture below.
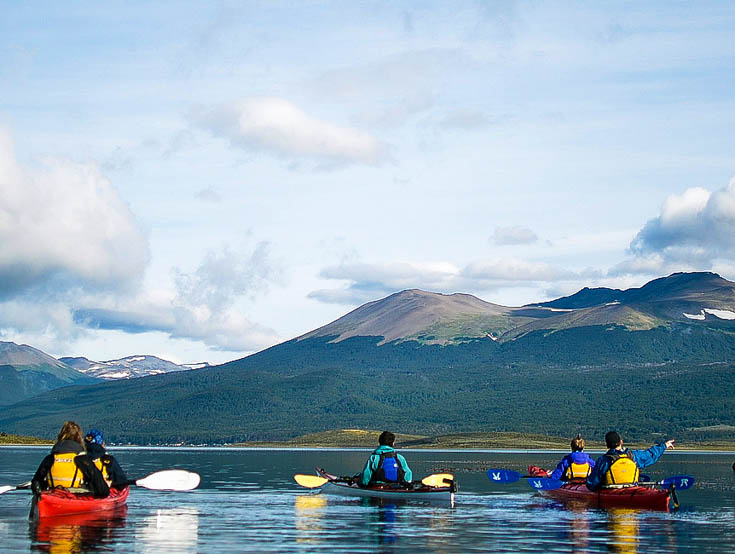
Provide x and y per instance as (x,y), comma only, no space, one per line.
(170,530)
(77,533)
(383,519)
(309,511)
(624,528)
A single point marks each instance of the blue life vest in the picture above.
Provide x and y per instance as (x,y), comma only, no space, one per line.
(389,469)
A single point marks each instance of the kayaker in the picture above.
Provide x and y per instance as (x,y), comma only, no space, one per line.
(94,444)
(620,466)
(385,465)
(69,467)
(576,465)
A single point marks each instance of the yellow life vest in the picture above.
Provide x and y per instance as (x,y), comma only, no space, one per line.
(103,469)
(64,472)
(577,471)
(622,471)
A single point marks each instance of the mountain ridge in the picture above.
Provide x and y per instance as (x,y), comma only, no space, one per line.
(501,369)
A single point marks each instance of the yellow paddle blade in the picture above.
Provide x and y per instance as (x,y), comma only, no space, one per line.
(437,479)
(309,481)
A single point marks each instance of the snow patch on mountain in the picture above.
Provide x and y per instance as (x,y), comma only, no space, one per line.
(131,367)
(721,314)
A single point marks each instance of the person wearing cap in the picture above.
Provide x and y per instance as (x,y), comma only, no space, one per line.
(94,444)
(620,466)
(69,467)
(576,465)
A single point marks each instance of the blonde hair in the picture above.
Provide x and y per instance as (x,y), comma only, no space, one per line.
(70,431)
(577,443)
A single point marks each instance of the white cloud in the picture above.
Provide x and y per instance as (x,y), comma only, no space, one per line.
(366,282)
(64,225)
(514,236)
(204,306)
(695,227)
(277,126)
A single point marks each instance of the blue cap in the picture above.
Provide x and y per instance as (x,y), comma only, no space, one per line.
(94,436)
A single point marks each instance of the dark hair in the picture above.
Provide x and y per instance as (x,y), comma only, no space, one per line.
(387,438)
(612,439)
(70,431)
(577,443)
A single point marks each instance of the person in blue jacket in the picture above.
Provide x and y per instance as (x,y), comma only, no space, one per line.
(576,465)
(620,466)
(385,465)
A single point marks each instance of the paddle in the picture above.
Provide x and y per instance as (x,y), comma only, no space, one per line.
(315,481)
(504,475)
(8,488)
(438,480)
(168,480)
(681,482)
(310,481)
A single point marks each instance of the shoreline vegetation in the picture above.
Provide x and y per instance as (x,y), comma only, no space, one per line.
(6,439)
(360,438)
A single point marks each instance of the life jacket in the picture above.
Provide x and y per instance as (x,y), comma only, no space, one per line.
(102,466)
(389,469)
(64,471)
(622,471)
(576,471)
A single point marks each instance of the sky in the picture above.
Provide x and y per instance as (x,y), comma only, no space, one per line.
(201,180)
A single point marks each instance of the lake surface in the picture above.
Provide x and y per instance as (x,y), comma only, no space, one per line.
(249,501)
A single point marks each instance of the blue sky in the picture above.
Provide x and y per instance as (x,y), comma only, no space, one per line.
(201,180)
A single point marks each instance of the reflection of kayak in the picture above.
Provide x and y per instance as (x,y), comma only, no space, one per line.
(633,496)
(335,485)
(61,502)
(78,532)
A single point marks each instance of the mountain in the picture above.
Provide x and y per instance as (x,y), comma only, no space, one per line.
(127,368)
(659,359)
(26,371)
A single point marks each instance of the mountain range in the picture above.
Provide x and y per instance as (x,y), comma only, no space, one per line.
(659,359)
(130,367)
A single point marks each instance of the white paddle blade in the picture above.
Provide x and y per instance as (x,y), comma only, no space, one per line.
(170,480)
(6,488)
(437,479)
(309,481)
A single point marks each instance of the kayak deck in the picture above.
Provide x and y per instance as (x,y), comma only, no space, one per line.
(61,502)
(337,486)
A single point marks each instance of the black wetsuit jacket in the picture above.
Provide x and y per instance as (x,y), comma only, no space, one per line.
(93,478)
(114,471)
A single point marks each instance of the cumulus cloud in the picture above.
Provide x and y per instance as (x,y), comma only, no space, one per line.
(64,225)
(367,282)
(517,235)
(279,127)
(694,230)
(204,306)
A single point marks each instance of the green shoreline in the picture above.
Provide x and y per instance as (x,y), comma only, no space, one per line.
(359,438)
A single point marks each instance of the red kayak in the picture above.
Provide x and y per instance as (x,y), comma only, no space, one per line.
(61,502)
(634,496)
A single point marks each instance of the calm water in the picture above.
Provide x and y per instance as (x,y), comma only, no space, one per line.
(249,501)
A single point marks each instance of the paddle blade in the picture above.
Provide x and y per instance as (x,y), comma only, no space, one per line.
(503,475)
(680,482)
(438,479)
(170,480)
(6,488)
(310,481)
(545,483)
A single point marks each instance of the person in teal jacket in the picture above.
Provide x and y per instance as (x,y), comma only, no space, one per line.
(620,466)
(385,465)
